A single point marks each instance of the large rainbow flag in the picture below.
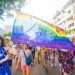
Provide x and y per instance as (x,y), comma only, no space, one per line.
(34,31)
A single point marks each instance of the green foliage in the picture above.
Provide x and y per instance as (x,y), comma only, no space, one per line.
(10,4)
(1,18)
(7,34)
(2,3)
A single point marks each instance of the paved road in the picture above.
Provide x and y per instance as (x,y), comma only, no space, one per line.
(73,72)
(53,70)
(39,70)
(36,70)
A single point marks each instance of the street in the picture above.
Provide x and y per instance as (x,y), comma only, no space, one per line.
(38,69)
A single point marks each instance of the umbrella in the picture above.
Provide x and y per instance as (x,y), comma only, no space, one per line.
(34,31)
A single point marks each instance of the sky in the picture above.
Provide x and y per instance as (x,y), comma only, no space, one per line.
(44,9)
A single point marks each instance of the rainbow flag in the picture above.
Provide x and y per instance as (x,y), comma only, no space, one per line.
(32,30)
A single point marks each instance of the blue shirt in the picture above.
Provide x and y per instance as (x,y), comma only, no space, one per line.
(2,53)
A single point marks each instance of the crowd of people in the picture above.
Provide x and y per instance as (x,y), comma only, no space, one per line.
(63,59)
(14,57)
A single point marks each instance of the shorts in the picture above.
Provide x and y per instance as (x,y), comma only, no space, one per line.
(26,67)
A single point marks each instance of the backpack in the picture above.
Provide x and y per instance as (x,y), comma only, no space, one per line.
(28,59)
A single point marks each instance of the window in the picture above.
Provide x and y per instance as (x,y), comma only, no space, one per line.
(70,25)
(69,11)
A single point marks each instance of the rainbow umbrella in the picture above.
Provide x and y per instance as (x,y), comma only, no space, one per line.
(36,32)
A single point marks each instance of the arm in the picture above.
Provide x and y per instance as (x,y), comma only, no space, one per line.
(18,62)
(3,60)
(17,65)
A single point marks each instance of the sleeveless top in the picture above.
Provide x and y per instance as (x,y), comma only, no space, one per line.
(22,56)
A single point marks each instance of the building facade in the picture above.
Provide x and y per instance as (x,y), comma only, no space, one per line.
(65,18)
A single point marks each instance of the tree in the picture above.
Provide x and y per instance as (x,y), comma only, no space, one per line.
(10,4)
(7,5)
(7,34)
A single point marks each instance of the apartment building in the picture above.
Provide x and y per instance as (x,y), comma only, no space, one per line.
(65,18)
